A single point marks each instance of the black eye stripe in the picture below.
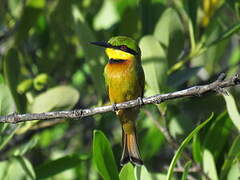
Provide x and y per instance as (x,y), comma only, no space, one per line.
(125,49)
(121,48)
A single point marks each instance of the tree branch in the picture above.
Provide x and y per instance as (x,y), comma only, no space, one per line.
(217,86)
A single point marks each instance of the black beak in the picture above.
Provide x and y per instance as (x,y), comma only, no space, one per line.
(108,45)
(102,44)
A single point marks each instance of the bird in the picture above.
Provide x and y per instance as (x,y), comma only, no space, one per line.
(125,80)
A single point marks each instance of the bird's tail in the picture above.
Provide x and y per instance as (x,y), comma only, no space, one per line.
(130,151)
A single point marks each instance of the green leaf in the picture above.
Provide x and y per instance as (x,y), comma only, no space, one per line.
(21,167)
(141,172)
(103,156)
(26,166)
(183,145)
(127,172)
(232,110)
(6,101)
(36,3)
(179,77)
(40,81)
(24,86)
(154,63)
(221,127)
(234,171)
(196,148)
(1,79)
(235,28)
(4,166)
(186,168)
(160,176)
(7,106)
(106,17)
(233,153)
(54,167)
(209,166)
(11,69)
(211,56)
(57,98)
(166,24)
(155,66)
(169,31)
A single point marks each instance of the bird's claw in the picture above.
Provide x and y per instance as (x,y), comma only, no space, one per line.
(114,107)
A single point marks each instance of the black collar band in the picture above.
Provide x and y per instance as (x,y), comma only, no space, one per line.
(116,61)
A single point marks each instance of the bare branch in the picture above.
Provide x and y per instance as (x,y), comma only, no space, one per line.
(217,86)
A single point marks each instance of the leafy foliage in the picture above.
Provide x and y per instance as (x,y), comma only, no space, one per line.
(103,156)
(48,64)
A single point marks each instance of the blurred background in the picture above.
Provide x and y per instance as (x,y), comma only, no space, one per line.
(47,64)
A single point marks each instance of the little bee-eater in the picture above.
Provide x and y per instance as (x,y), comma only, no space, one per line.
(124,78)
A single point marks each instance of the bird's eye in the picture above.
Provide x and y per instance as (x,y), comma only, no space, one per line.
(123,48)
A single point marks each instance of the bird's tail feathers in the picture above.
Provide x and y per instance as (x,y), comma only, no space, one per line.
(130,149)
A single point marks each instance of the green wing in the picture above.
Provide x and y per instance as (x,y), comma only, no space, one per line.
(106,81)
(141,76)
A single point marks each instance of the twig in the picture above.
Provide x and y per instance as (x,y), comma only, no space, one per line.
(217,85)
(23,138)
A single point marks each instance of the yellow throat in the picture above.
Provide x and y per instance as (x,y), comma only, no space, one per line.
(118,54)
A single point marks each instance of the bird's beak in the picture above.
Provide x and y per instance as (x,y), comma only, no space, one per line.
(102,44)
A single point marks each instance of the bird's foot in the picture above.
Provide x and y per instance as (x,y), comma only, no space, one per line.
(114,107)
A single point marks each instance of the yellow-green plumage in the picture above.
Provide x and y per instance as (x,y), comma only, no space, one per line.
(124,78)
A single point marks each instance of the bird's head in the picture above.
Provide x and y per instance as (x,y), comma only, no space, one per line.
(120,48)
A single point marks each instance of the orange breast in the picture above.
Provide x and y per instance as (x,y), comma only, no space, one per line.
(122,82)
